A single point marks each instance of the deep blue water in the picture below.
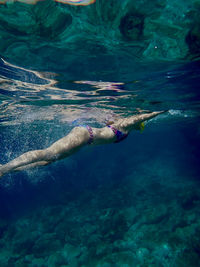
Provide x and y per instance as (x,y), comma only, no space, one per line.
(154,170)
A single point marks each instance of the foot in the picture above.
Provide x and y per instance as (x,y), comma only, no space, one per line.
(1,173)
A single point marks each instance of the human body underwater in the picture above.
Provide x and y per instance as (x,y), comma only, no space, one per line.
(77,138)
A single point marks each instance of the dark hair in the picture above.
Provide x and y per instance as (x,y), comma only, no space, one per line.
(109,122)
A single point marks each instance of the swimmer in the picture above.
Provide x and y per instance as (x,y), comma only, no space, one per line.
(80,136)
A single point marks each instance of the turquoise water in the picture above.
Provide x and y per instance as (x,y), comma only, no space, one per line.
(135,203)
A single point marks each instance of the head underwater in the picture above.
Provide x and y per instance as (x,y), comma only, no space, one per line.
(139,127)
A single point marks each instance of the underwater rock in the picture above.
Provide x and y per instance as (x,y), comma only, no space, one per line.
(125,259)
(190,201)
(157,215)
(45,245)
(71,253)
(52,23)
(56,259)
(163,254)
(24,245)
(142,254)
(31,261)
(5,256)
(193,40)
(114,227)
(132,26)
(103,264)
(3,227)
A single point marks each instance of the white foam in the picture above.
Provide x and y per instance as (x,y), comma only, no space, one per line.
(182,113)
(174,112)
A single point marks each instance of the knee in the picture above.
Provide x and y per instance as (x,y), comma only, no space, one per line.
(40,155)
(49,154)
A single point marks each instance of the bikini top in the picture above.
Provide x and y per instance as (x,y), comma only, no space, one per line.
(120,135)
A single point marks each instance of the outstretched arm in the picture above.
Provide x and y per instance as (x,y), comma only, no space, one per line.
(128,124)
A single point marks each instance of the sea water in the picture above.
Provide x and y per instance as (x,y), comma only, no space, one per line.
(135,203)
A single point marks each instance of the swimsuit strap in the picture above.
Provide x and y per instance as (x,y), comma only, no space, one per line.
(120,135)
(90,133)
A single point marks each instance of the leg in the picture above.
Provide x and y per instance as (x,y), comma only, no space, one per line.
(32,165)
(62,148)
(28,158)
